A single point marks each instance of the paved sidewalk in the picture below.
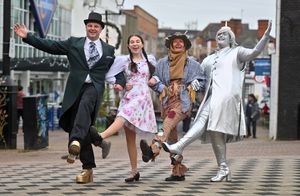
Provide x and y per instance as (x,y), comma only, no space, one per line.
(259,167)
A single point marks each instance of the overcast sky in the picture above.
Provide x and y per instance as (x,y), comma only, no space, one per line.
(177,13)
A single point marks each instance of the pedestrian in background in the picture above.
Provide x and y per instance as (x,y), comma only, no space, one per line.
(90,59)
(252,115)
(20,96)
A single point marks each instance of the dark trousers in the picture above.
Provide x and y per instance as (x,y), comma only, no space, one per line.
(186,124)
(81,116)
(251,123)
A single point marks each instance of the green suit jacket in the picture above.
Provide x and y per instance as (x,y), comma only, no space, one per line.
(73,48)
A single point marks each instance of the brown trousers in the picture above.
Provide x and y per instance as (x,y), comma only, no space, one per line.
(172,115)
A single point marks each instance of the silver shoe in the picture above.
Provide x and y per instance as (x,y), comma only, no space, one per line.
(176,158)
(223,173)
(174,148)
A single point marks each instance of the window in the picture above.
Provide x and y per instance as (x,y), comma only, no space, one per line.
(60,27)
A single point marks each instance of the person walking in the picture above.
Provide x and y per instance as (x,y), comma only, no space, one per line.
(173,79)
(252,115)
(135,112)
(221,111)
(90,59)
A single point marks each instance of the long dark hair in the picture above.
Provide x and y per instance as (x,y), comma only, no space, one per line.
(133,65)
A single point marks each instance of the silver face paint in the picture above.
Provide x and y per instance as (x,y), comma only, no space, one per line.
(231,36)
(223,39)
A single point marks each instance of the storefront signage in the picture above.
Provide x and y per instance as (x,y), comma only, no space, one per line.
(262,66)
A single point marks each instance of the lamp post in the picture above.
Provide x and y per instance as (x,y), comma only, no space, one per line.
(92,6)
(8,90)
(119,4)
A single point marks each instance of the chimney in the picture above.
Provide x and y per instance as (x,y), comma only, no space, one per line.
(222,23)
(262,26)
(236,27)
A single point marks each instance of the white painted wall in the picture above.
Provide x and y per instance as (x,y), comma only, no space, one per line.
(275,79)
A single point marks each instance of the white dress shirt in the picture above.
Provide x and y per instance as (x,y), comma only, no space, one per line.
(87,54)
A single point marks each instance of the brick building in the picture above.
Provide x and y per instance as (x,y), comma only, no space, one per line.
(245,36)
(139,21)
(165,32)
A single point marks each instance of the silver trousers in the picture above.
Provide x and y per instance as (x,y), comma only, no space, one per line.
(219,146)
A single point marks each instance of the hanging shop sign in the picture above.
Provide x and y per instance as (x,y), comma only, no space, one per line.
(43,11)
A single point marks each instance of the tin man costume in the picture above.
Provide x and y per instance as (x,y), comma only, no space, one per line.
(221,111)
(175,76)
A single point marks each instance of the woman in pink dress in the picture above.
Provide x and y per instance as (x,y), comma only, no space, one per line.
(135,112)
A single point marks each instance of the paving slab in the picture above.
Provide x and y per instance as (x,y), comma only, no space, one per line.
(259,167)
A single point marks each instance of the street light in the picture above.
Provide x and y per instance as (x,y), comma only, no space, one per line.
(119,4)
(92,5)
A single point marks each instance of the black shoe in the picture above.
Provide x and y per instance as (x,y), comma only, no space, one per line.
(146,151)
(105,148)
(175,178)
(136,177)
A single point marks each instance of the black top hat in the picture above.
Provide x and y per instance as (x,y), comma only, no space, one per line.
(95,17)
(169,40)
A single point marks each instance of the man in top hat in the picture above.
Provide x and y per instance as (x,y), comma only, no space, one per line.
(90,59)
(175,79)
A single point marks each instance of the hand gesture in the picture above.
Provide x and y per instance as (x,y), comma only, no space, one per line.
(152,82)
(21,30)
(128,87)
(268,30)
(117,87)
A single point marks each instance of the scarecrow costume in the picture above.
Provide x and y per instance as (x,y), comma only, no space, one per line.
(174,74)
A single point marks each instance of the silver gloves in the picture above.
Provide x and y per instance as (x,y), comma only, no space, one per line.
(195,85)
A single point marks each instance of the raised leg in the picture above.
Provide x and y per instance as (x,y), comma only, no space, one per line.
(173,117)
(194,133)
(113,128)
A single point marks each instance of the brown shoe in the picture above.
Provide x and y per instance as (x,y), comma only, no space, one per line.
(74,148)
(71,158)
(85,176)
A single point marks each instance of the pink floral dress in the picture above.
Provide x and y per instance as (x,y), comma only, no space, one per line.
(136,105)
